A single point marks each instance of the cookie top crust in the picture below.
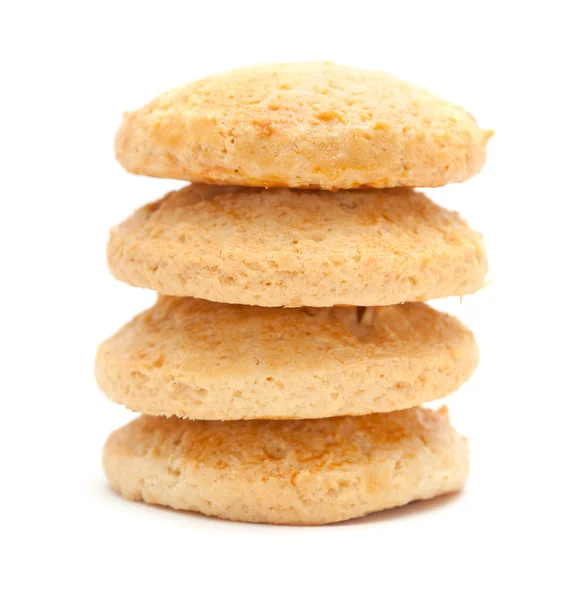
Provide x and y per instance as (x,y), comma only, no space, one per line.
(307,125)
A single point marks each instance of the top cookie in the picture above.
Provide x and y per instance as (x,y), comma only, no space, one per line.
(309,125)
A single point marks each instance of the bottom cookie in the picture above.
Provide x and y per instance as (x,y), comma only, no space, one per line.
(290,472)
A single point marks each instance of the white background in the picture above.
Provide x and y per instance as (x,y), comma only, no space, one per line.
(69,70)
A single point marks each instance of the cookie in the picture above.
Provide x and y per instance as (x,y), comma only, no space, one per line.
(201,360)
(284,247)
(289,472)
(318,125)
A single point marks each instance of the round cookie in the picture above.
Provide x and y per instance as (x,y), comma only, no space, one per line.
(285,247)
(201,360)
(317,125)
(289,472)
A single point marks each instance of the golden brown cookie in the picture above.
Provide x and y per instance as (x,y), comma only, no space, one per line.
(289,472)
(316,125)
(284,247)
(202,360)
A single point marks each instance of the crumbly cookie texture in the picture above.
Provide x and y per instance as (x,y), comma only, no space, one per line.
(285,247)
(201,360)
(289,472)
(319,125)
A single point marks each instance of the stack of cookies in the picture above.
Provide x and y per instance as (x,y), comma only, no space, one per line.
(281,372)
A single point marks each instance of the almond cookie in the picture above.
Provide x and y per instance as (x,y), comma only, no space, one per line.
(285,247)
(289,472)
(317,125)
(201,360)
